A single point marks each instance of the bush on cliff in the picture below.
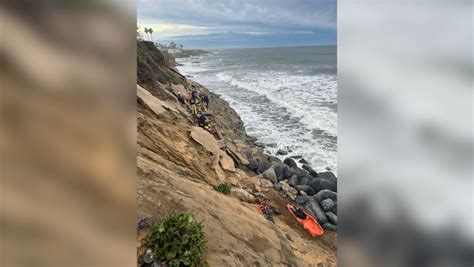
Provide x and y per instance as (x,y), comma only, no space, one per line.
(152,66)
(224,188)
(178,240)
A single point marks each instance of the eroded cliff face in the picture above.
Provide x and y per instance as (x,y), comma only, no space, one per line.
(178,172)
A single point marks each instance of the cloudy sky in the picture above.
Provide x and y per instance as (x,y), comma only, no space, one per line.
(239,23)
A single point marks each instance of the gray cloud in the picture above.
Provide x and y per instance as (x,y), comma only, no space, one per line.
(229,14)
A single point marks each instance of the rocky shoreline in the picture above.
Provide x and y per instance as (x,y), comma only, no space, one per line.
(316,192)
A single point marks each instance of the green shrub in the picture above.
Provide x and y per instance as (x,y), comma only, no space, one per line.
(178,240)
(224,188)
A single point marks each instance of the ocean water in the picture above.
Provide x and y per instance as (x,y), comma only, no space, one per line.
(286,97)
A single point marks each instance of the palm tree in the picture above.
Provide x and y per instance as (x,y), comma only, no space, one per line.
(151,33)
(146,31)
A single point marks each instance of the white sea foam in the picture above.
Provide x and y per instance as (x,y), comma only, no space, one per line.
(295,110)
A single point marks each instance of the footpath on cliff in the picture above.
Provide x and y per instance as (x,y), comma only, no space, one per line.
(180,165)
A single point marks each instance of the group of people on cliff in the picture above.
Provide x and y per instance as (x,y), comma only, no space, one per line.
(198,105)
(198,102)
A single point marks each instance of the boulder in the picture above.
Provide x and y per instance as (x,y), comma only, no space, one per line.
(282,152)
(263,166)
(270,175)
(253,164)
(279,171)
(330,226)
(319,184)
(327,204)
(325,194)
(274,160)
(328,175)
(300,172)
(293,180)
(290,162)
(289,191)
(315,210)
(331,180)
(303,193)
(334,209)
(243,195)
(304,180)
(311,191)
(288,172)
(310,170)
(303,161)
(303,188)
(332,217)
(301,199)
(296,157)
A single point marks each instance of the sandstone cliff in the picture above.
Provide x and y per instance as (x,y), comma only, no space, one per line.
(179,166)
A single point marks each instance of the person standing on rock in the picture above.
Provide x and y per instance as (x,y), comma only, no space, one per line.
(193,102)
(205,100)
(181,99)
